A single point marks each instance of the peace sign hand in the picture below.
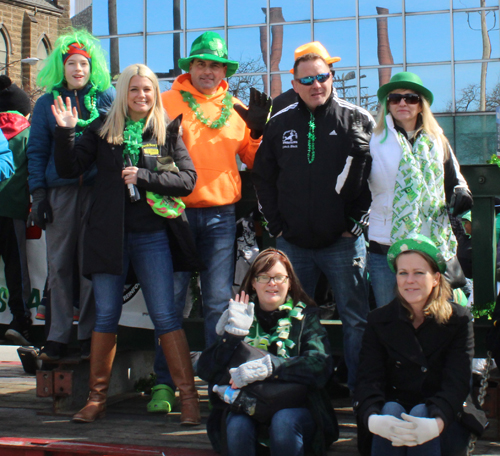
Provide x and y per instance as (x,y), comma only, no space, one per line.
(65,117)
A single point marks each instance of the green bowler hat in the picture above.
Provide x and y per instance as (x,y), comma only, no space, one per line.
(418,242)
(405,80)
(209,46)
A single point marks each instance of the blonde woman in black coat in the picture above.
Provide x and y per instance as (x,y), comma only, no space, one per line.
(121,230)
(415,363)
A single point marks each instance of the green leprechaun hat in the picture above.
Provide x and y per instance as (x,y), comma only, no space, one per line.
(209,46)
(418,242)
(405,80)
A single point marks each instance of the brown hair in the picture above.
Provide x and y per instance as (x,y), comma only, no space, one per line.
(307,58)
(264,262)
(437,305)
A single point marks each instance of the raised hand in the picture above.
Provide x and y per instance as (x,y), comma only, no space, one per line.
(257,113)
(240,316)
(221,324)
(65,116)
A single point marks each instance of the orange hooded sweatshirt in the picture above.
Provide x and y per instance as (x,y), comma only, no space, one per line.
(213,151)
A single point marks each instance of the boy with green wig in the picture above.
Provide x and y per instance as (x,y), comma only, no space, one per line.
(76,69)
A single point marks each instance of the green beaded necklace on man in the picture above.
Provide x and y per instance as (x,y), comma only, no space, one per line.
(227,104)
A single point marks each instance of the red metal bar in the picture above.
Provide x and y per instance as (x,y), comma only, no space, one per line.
(12,446)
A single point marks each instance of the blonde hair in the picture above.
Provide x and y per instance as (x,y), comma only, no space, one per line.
(437,305)
(429,124)
(112,130)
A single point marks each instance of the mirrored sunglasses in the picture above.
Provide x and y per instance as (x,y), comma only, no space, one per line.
(309,80)
(409,98)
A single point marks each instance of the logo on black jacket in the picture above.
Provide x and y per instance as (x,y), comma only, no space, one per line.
(290,139)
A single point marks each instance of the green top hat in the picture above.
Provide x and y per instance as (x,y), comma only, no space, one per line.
(209,46)
(422,244)
(405,80)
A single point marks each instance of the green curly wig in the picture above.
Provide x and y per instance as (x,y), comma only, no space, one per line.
(52,73)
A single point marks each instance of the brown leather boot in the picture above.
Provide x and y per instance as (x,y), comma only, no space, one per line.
(102,354)
(176,350)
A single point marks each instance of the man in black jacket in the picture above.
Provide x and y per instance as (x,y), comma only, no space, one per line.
(310,174)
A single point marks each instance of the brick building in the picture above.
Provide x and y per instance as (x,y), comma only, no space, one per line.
(28,28)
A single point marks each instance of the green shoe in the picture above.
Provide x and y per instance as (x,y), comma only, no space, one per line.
(162,399)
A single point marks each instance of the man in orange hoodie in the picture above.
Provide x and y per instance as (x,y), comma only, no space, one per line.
(214,134)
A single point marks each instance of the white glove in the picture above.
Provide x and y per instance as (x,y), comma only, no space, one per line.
(252,371)
(219,329)
(427,428)
(240,318)
(389,427)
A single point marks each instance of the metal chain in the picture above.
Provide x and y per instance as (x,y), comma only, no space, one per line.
(482,394)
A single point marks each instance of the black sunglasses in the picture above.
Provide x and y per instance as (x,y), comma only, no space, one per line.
(409,98)
(309,80)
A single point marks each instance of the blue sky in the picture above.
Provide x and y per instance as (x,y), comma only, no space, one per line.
(428,36)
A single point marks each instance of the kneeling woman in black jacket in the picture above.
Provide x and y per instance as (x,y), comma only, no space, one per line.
(123,230)
(282,322)
(415,363)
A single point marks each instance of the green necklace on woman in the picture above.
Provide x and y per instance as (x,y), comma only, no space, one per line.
(258,337)
(132,138)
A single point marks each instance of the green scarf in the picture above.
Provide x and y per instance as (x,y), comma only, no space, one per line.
(419,205)
(132,138)
(164,206)
(258,338)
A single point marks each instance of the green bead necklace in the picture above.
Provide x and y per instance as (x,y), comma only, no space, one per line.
(90,102)
(227,104)
(311,140)
(257,337)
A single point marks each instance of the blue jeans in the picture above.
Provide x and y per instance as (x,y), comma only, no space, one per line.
(382,278)
(453,441)
(343,264)
(291,433)
(149,253)
(214,231)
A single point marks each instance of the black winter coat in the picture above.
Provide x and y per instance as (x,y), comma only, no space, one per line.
(310,363)
(429,365)
(312,204)
(105,221)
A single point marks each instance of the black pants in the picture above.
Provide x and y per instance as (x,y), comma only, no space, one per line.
(15,274)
